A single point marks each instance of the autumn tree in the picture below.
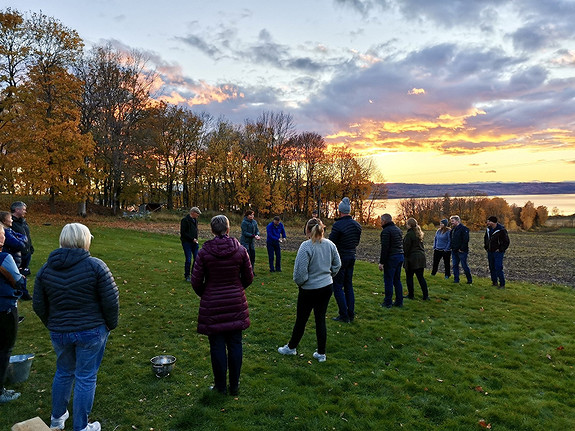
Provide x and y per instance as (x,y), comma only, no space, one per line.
(528,214)
(541,216)
(117,89)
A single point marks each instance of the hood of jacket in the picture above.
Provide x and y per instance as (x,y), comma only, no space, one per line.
(221,246)
(63,258)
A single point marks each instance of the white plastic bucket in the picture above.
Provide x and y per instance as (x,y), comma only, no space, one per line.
(19,368)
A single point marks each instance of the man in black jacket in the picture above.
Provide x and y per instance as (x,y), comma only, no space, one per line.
(459,248)
(189,238)
(20,225)
(345,234)
(391,260)
(496,241)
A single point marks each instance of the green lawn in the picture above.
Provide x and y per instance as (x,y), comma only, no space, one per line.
(472,353)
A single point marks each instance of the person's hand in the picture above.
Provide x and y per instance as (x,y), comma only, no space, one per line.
(196,240)
(257,237)
(381,267)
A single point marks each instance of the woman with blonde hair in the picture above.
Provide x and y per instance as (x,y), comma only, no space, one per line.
(76,298)
(414,258)
(316,263)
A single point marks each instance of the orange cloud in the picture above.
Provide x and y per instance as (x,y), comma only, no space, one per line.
(204,95)
(416,91)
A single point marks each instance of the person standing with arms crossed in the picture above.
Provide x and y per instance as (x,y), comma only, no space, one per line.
(496,242)
(390,261)
(189,238)
(459,248)
(345,234)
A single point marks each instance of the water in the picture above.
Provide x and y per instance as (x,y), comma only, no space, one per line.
(565,203)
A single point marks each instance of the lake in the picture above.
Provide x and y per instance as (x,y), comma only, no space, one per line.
(565,203)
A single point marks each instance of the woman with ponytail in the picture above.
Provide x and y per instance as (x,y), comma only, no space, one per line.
(316,263)
(414,258)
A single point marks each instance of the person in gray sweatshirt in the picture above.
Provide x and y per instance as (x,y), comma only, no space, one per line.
(316,263)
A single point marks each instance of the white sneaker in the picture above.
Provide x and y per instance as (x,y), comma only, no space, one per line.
(285,350)
(59,423)
(320,358)
(94,426)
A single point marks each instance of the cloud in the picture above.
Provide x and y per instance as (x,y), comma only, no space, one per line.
(200,43)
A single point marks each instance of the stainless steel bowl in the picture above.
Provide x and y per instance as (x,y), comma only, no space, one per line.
(163,365)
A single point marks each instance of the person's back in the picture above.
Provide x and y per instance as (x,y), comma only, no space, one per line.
(391,240)
(220,275)
(315,263)
(76,292)
(346,234)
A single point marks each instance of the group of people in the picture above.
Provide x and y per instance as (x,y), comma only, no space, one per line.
(323,266)
(76,298)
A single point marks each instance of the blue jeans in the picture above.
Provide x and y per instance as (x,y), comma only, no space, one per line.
(79,355)
(221,362)
(190,249)
(251,248)
(274,249)
(392,279)
(456,258)
(495,259)
(343,288)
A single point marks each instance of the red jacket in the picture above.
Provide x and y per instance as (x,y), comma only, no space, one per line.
(220,275)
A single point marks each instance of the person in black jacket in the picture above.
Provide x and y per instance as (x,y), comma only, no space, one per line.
(20,225)
(189,238)
(390,261)
(76,298)
(459,248)
(345,234)
(496,241)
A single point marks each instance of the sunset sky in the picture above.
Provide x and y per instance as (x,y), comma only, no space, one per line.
(436,91)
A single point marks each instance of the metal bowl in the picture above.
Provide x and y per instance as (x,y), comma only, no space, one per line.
(162,365)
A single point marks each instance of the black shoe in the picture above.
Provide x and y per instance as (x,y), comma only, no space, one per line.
(20,318)
(272,270)
(501,287)
(278,270)
(384,305)
(469,282)
(26,297)
(426,299)
(398,304)
(409,297)
(340,319)
(234,391)
(221,391)
(494,283)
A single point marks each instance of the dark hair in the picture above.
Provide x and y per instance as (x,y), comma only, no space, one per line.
(277,218)
(492,219)
(3,215)
(386,218)
(248,212)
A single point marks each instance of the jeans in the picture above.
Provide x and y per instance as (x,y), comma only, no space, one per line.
(343,288)
(251,248)
(458,257)
(274,249)
(439,255)
(79,355)
(8,332)
(421,280)
(392,279)
(308,300)
(221,362)
(495,259)
(190,249)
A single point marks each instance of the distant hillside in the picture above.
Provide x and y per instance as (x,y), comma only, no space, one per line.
(411,190)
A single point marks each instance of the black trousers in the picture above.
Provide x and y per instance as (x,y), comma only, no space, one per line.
(8,332)
(308,300)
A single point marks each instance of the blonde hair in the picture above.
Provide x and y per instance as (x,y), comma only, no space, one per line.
(412,223)
(75,235)
(316,228)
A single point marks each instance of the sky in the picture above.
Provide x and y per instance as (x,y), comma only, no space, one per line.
(433,91)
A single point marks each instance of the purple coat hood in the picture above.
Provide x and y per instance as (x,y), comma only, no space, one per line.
(221,273)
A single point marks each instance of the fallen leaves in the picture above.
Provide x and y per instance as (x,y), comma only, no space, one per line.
(484,424)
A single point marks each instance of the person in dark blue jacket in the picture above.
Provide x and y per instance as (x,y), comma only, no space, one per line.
(11,284)
(76,298)
(15,244)
(275,233)
(345,234)
(250,232)
(459,248)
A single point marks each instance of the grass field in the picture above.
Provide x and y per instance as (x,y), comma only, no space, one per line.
(472,357)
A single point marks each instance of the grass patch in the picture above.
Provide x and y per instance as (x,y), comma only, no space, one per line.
(471,353)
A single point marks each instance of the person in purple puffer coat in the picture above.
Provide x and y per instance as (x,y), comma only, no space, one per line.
(220,275)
